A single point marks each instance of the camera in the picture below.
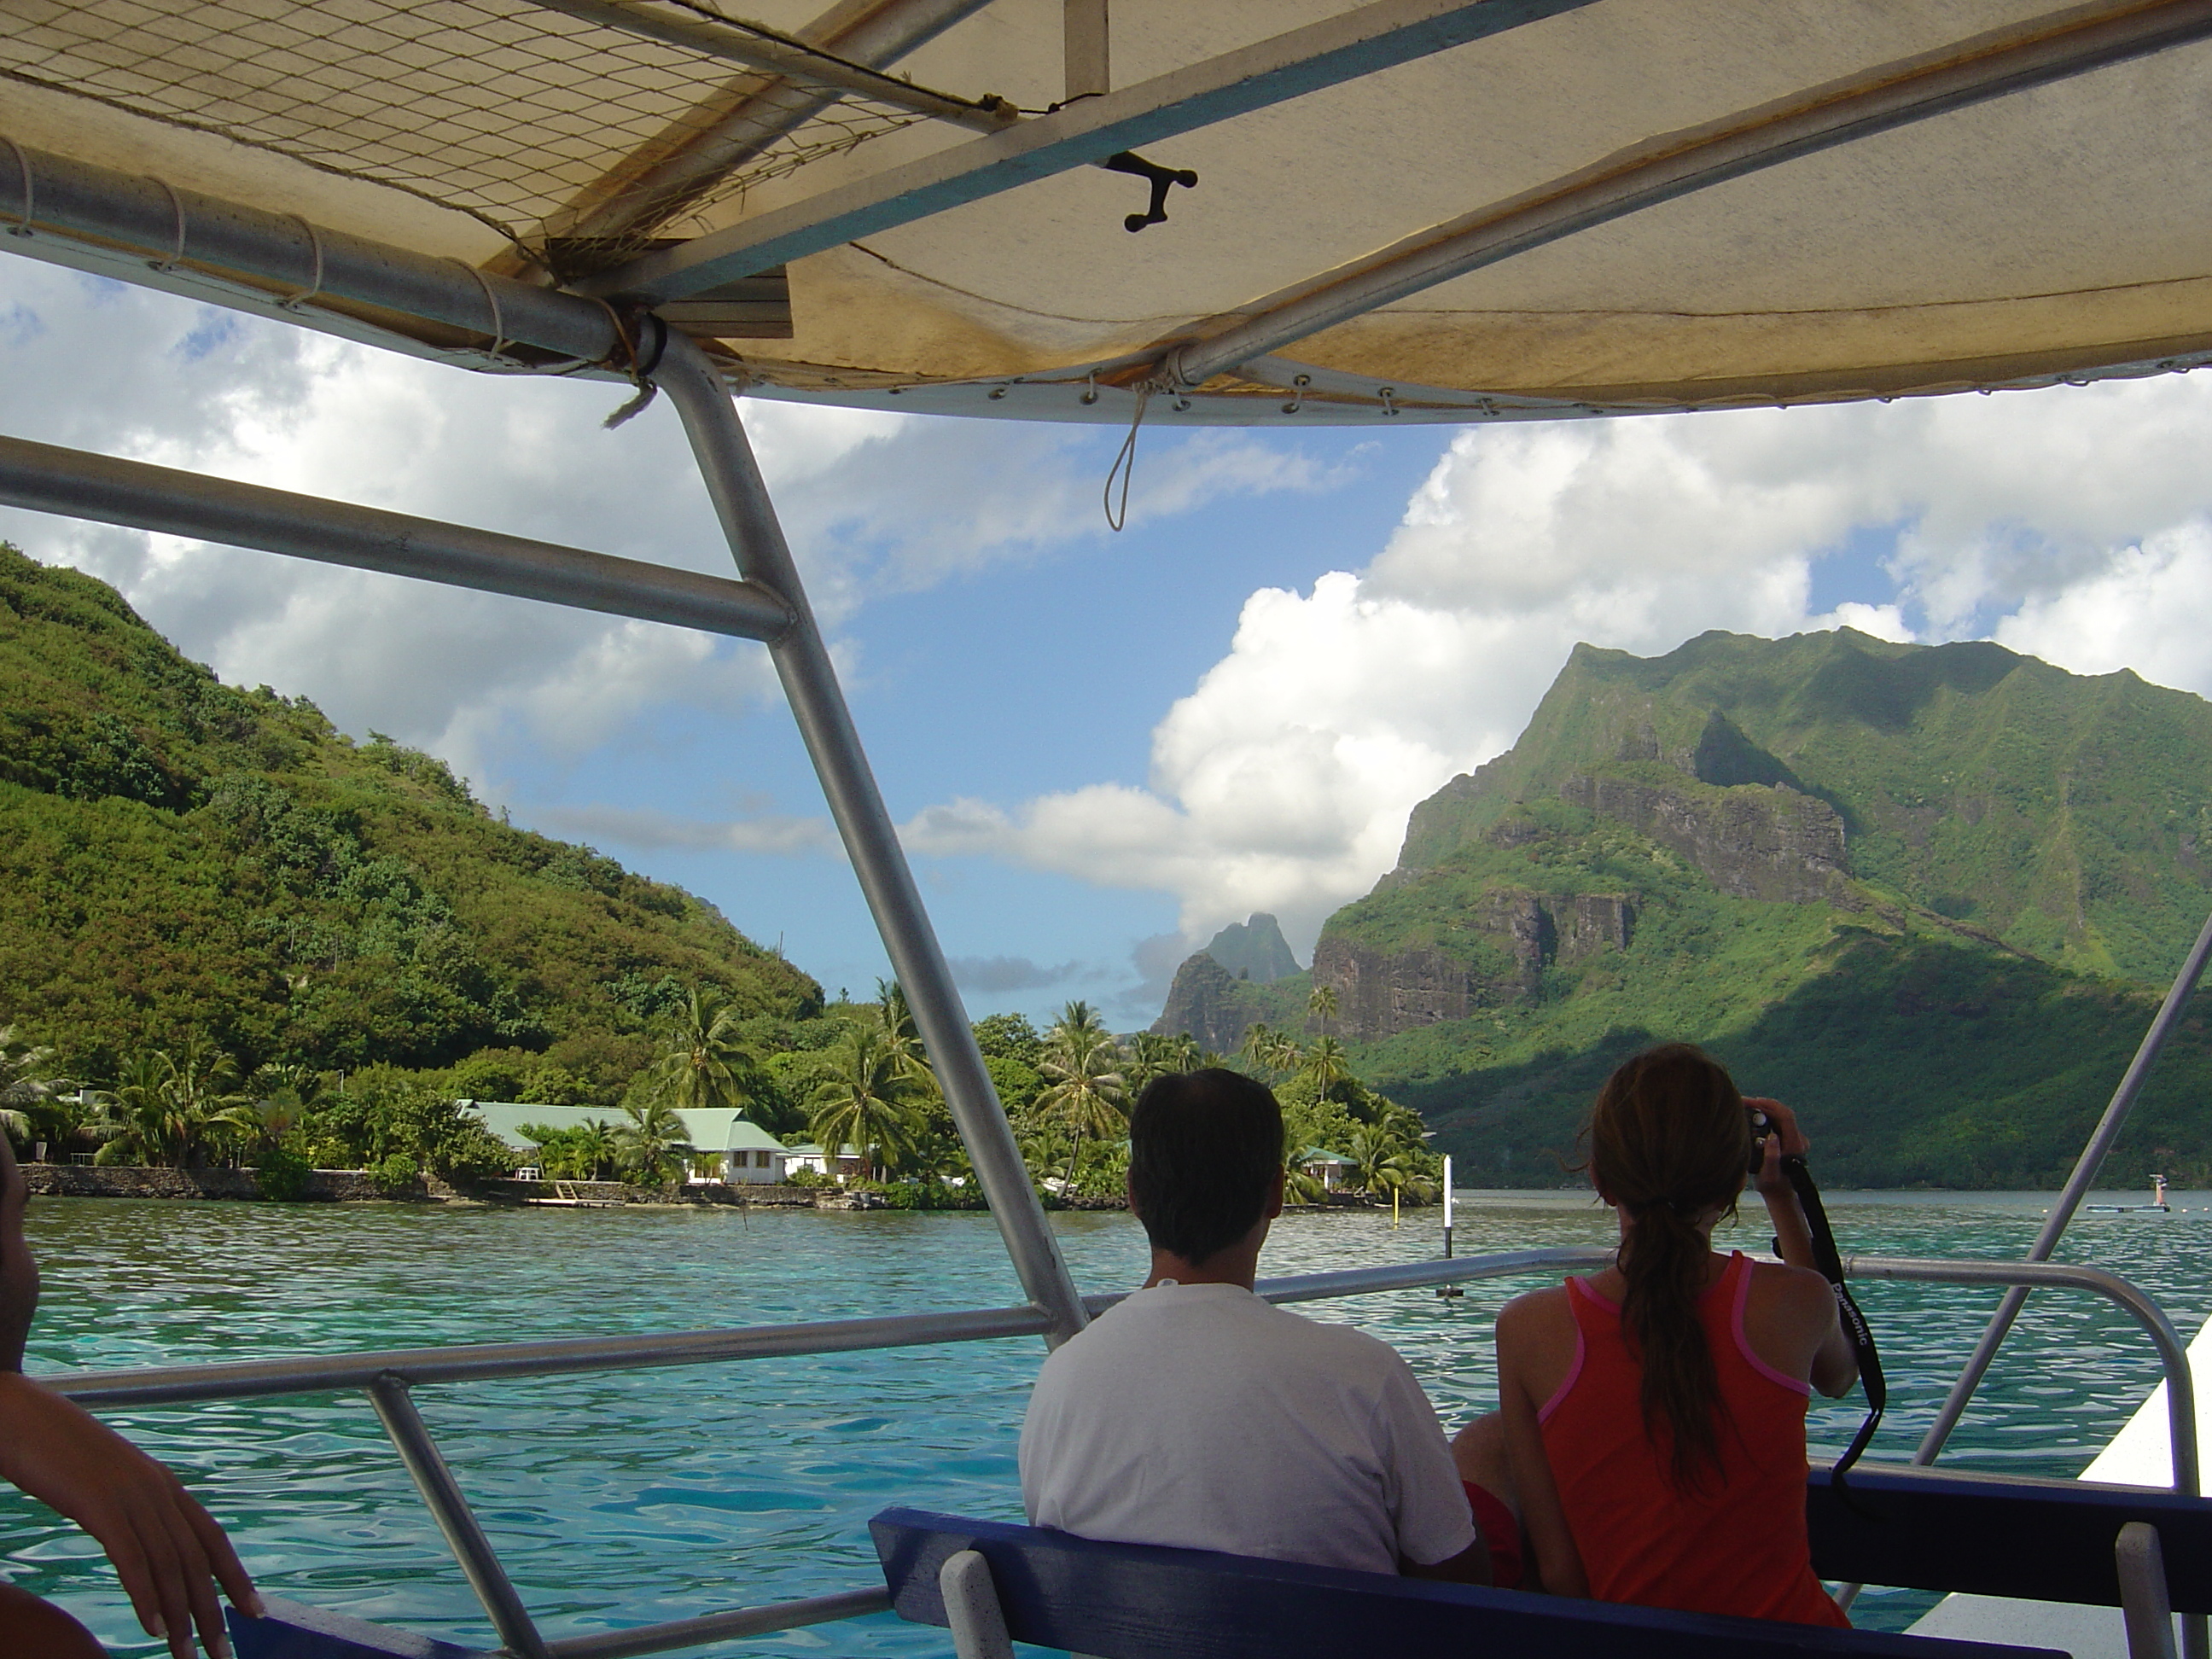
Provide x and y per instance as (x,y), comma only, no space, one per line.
(1761,1126)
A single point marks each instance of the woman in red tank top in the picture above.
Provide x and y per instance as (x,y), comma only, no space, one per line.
(1654,1413)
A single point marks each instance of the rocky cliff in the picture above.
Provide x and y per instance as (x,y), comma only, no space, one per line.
(1254,950)
(1208,1002)
(1245,975)
(1980,790)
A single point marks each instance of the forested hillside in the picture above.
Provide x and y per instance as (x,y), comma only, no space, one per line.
(181,860)
(1931,892)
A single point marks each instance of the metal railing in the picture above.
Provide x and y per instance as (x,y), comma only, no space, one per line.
(388,1377)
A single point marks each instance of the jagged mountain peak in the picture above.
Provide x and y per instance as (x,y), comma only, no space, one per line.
(1254,950)
(1842,859)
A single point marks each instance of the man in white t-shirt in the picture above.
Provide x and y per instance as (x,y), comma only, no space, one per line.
(1195,1415)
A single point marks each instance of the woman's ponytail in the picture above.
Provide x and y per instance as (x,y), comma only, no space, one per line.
(1670,1143)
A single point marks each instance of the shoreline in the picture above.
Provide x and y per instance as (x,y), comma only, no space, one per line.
(224,1185)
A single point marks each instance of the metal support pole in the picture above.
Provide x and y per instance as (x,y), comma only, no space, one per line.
(810,681)
(972,1609)
(70,482)
(723,1626)
(2077,1187)
(2145,1605)
(284,252)
(411,1435)
(1089,63)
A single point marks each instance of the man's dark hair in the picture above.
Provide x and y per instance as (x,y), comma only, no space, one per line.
(1205,1148)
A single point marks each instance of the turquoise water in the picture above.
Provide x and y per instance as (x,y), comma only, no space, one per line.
(625,1499)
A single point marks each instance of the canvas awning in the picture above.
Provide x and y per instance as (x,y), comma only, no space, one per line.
(953,238)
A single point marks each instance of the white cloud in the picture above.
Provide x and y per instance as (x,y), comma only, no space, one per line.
(2076,524)
(2148,608)
(872,503)
(642,827)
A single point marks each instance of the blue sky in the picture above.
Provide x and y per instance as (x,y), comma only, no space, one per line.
(1102,746)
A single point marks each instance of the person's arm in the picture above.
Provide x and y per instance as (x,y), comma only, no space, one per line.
(1559,1563)
(1834,1367)
(167,1551)
(1470,1566)
(1430,1510)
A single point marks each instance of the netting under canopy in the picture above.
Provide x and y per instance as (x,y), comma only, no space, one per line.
(1359,244)
(533,122)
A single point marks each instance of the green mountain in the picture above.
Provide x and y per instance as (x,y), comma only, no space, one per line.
(176,856)
(1930,893)
(1254,950)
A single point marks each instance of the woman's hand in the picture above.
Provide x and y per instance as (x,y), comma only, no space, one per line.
(167,1551)
(19,1271)
(1784,1140)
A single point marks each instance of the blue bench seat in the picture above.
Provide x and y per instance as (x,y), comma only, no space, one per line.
(1140,1601)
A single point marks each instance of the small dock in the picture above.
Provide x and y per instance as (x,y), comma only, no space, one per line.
(566,1197)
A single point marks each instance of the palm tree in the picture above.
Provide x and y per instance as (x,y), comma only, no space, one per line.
(865,1102)
(277,1103)
(1382,1162)
(28,1087)
(895,1015)
(1149,1055)
(705,1065)
(1085,1089)
(199,1090)
(1260,1041)
(594,1149)
(1326,1065)
(651,1145)
(1322,1005)
(164,1105)
(263,1126)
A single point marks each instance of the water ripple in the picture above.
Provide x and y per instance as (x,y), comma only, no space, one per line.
(620,1499)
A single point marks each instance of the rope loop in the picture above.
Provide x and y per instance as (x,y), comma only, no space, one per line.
(22,225)
(177,207)
(298,301)
(499,340)
(1125,462)
(642,364)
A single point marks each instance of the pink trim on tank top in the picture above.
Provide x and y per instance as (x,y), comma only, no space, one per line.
(1736,1324)
(1743,1342)
(1574,1371)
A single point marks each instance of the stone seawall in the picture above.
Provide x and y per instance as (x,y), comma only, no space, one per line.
(354,1185)
(131,1181)
(764,1196)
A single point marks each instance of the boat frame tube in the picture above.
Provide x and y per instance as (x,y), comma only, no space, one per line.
(2077,1187)
(809,685)
(48,479)
(387,1376)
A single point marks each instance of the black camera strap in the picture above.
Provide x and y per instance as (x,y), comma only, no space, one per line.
(1856,1330)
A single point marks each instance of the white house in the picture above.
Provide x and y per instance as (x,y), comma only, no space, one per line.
(726,1145)
(1330,1169)
(731,1147)
(810,1158)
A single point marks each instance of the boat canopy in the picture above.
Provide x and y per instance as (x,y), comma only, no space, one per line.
(1254,211)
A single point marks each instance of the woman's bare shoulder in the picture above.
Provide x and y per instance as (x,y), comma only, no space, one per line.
(1791,1292)
(1535,1310)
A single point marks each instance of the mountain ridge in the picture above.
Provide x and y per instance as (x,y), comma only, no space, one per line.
(1713,843)
(179,857)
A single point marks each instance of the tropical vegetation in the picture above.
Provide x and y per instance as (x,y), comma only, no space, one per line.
(1932,894)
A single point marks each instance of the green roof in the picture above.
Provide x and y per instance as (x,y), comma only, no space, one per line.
(1321,1155)
(721,1130)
